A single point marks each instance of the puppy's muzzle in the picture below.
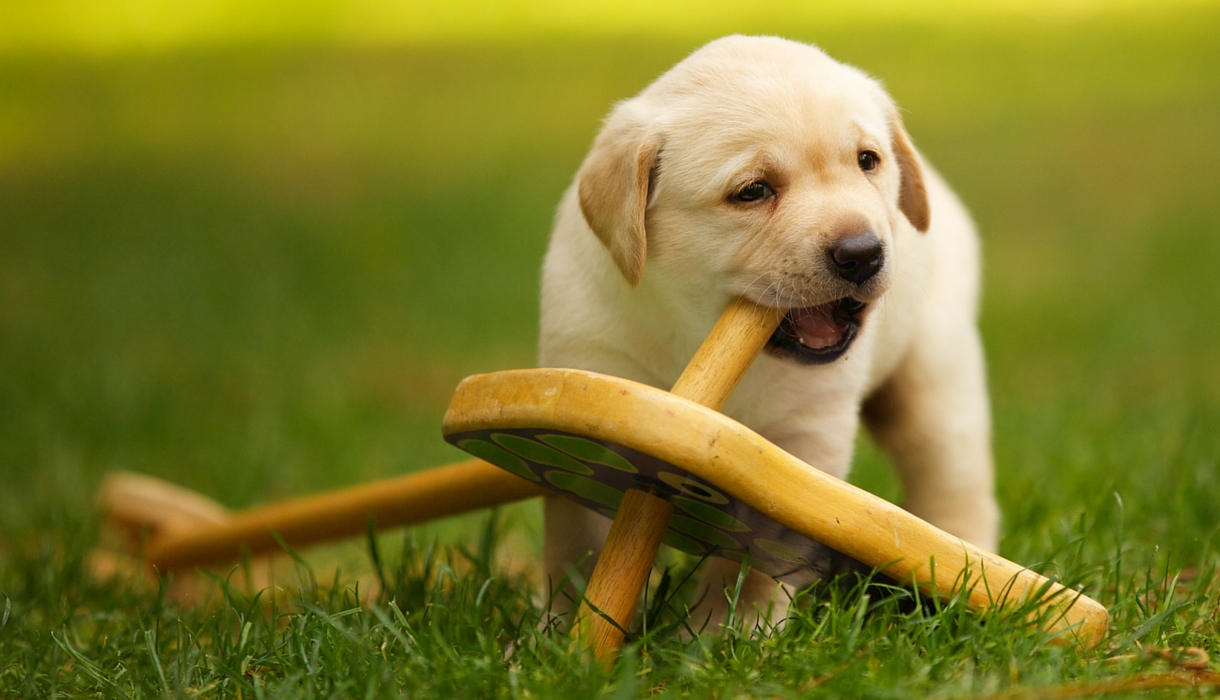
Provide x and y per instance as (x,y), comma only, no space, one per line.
(857,258)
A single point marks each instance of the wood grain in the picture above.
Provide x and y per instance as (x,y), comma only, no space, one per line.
(727,353)
(625,561)
(754,471)
(415,498)
(621,572)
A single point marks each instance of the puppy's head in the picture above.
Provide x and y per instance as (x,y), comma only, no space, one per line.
(760,167)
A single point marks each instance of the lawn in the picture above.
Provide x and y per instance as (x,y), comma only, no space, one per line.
(259,268)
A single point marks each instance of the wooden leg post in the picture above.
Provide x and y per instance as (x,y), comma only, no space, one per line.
(621,572)
(631,547)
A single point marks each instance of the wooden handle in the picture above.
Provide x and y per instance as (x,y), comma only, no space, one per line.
(728,351)
(414,498)
(635,536)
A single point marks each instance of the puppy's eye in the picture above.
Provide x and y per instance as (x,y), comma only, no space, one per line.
(754,191)
(868,161)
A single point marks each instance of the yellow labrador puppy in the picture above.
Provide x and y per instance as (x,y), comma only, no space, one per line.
(762,167)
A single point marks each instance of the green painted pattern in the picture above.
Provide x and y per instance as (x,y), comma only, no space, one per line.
(698,525)
(679,541)
(693,488)
(500,457)
(711,515)
(589,451)
(535,451)
(702,531)
(595,491)
(781,552)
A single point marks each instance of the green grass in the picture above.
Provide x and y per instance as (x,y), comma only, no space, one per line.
(260,272)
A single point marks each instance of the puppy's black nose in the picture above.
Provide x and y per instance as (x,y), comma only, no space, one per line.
(857,258)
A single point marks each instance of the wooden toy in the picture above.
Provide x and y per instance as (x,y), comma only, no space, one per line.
(667,466)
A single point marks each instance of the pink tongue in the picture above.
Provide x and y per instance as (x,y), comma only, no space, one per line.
(816,327)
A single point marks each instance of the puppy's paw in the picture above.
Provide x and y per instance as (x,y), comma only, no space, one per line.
(761,601)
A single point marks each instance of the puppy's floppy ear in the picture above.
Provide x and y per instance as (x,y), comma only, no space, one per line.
(613,184)
(912,195)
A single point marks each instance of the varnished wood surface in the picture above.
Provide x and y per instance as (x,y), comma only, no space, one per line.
(622,570)
(137,502)
(742,463)
(727,353)
(415,498)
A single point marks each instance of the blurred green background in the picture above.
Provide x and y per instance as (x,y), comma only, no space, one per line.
(253,251)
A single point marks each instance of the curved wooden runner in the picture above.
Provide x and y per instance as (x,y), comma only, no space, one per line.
(762,484)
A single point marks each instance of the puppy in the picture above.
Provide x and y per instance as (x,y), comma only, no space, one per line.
(762,168)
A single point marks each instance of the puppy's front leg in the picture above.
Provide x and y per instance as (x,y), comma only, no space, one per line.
(932,416)
(761,599)
(574,535)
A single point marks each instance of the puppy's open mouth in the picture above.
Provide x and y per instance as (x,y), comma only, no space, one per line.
(817,335)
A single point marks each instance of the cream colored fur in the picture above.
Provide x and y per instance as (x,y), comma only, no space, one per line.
(649,248)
